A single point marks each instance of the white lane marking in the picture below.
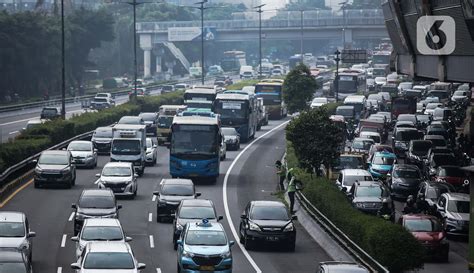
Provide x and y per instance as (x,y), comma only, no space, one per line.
(63,241)
(71,216)
(14,132)
(153,199)
(150,217)
(60,270)
(23,120)
(226,203)
(158,270)
(152,242)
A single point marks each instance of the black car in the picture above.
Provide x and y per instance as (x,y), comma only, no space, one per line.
(151,122)
(191,211)
(50,113)
(418,152)
(267,221)
(13,260)
(436,160)
(231,138)
(102,139)
(401,139)
(94,203)
(170,194)
(433,190)
(369,196)
(55,168)
(404,180)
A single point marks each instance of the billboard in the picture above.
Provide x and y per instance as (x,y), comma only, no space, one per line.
(354,56)
(188,34)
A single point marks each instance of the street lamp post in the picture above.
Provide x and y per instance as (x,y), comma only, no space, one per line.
(336,80)
(202,8)
(135,65)
(259,10)
(302,33)
(343,7)
(63,65)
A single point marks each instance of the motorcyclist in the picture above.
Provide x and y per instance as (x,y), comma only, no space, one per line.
(410,205)
(386,212)
(422,205)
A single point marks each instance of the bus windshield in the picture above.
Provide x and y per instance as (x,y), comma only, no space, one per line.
(199,96)
(234,110)
(194,141)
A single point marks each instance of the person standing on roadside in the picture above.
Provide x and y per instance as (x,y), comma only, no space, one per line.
(291,189)
(281,172)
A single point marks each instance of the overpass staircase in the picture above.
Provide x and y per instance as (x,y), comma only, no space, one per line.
(178,54)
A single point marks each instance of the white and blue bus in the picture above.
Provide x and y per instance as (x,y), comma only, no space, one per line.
(195,147)
(238,111)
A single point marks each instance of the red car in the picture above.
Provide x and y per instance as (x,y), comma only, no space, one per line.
(450,174)
(429,232)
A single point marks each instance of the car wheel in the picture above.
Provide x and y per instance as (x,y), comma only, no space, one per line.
(291,246)
(175,245)
(74,180)
(241,237)
(248,244)
(37,184)
(178,268)
(70,184)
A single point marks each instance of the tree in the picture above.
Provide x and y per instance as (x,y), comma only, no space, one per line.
(299,88)
(365,4)
(306,5)
(315,138)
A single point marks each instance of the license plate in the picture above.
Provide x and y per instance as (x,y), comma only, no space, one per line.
(206,268)
(272,238)
(193,175)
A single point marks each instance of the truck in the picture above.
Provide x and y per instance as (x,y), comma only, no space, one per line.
(165,119)
(262,114)
(403,105)
(129,145)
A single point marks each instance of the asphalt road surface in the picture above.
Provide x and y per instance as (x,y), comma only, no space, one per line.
(251,177)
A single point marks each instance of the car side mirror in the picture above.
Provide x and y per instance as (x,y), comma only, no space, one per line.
(243,216)
(95,150)
(231,243)
(119,206)
(197,194)
(75,239)
(97,175)
(294,217)
(220,217)
(34,161)
(344,189)
(141,266)
(155,146)
(135,175)
(74,206)
(76,266)
(31,234)
(179,242)
(173,215)
(157,193)
(128,239)
(441,209)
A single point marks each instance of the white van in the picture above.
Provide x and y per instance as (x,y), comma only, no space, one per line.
(246,72)
(195,72)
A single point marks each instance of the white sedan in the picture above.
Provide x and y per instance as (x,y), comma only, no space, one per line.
(83,153)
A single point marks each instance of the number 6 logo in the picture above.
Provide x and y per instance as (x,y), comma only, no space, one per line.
(436,35)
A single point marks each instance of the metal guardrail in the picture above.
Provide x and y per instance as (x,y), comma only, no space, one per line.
(342,239)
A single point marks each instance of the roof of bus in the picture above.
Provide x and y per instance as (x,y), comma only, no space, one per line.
(270,83)
(232,96)
(201,90)
(195,120)
(354,98)
(172,106)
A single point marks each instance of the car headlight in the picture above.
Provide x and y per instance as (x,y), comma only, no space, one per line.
(38,169)
(188,254)
(80,216)
(212,165)
(23,245)
(179,226)
(66,170)
(359,205)
(289,227)
(226,255)
(254,227)
(90,156)
(460,222)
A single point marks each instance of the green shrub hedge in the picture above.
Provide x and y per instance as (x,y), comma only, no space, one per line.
(390,244)
(35,140)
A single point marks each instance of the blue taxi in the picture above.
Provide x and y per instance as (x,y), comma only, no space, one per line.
(382,164)
(204,247)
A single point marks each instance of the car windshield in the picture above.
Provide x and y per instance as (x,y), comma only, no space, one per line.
(103,133)
(10,267)
(432,106)
(422,225)
(269,213)
(435,192)
(116,171)
(12,229)
(165,121)
(349,162)
(206,238)
(443,159)
(53,159)
(148,116)
(50,111)
(451,171)
(101,233)
(229,131)
(79,146)
(458,206)
(129,120)
(320,100)
(369,191)
(383,160)
(459,93)
(438,142)
(349,180)
(197,213)
(149,143)
(406,173)
(411,118)
(178,190)
(96,202)
(109,260)
(421,147)
(362,144)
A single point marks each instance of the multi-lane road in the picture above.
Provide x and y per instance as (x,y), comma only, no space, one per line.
(246,175)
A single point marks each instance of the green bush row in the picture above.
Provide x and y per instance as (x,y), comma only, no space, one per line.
(390,244)
(35,140)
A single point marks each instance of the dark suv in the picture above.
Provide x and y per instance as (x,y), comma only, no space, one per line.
(267,221)
(369,196)
(418,151)
(151,122)
(94,203)
(55,168)
(50,113)
(171,192)
(404,180)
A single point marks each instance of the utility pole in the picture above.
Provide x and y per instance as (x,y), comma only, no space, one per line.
(63,65)
(135,64)
(343,7)
(336,80)
(202,8)
(302,34)
(259,10)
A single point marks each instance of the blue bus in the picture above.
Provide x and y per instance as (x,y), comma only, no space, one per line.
(195,147)
(238,111)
